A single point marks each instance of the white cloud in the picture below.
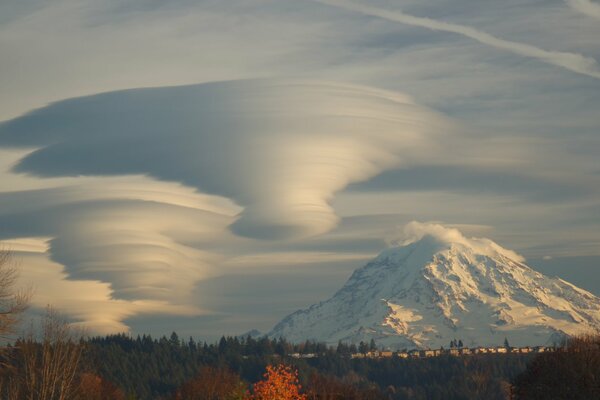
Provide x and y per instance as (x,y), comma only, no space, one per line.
(280,149)
(88,302)
(90,46)
(272,153)
(558,228)
(571,61)
(415,231)
(106,249)
(142,240)
(586,7)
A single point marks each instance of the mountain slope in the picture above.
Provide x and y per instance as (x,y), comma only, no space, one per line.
(440,286)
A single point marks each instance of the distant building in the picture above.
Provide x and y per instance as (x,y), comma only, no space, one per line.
(415,353)
(429,353)
(300,355)
(542,349)
(525,350)
(455,351)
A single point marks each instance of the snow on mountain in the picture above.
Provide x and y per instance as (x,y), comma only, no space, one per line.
(440,285)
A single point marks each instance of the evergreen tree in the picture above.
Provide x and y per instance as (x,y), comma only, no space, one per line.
(372,345)
(362,347)
(174,339)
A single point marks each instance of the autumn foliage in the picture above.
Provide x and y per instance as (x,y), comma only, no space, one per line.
(93,387)
(280,383)
(212,384)
(328,387)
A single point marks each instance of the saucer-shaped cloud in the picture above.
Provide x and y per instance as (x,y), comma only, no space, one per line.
(279,149)
(148,240)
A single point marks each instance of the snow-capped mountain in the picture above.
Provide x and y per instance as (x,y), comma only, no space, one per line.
(440,286)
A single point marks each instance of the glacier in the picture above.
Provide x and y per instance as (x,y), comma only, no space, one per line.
(439,286)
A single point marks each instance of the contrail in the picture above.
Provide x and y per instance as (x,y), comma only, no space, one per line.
(571,61)
(586,7)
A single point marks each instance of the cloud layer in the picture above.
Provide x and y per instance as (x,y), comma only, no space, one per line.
(129,205)
(121,180)
(586,7)
(115,247)
(571,61)
(415,231)
(280,149)
(87,302)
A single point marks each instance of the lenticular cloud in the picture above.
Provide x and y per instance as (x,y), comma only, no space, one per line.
(279,149)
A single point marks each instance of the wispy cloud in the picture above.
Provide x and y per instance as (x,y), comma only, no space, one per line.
(571,61)
(586,7)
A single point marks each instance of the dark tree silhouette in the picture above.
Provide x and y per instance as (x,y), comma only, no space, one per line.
(570,372)
(12,301)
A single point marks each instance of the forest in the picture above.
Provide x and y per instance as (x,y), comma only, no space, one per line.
(120,366)
(155,368)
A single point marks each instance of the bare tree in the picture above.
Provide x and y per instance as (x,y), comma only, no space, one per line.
(12,301)
(12,304)
(44,365)
(49,368)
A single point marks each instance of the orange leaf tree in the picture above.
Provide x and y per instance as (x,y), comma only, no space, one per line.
(279,383)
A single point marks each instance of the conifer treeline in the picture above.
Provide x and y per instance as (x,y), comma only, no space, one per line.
(149,368)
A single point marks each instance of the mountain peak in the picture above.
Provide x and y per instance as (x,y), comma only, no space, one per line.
(439,285)
(438,237)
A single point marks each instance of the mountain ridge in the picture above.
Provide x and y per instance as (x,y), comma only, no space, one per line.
(439,285)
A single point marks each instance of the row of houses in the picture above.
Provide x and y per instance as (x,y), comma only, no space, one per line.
(463,351)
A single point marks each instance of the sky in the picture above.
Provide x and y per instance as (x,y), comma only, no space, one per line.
(208,167)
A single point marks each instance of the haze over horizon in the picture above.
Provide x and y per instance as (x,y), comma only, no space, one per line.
(210,167)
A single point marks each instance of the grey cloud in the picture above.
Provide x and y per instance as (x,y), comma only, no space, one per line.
(536,198)
(130,244)
(234,296)
(583,271)
(13,10)
(586,7)
(479,179)
(236,308)
(571,61)
(280,149)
